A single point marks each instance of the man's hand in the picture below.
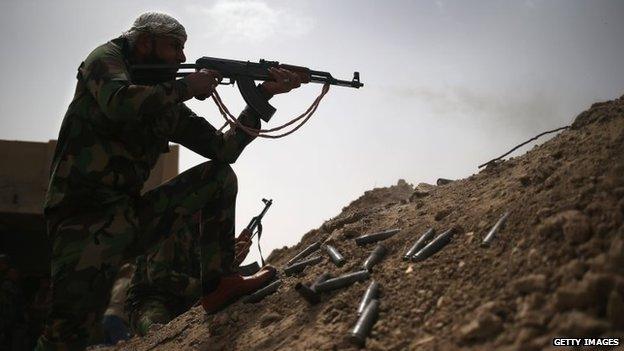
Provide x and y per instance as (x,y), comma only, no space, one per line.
(283,81)
(203,82)
(241,246)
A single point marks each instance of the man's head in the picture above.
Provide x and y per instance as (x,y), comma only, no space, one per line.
(156,38)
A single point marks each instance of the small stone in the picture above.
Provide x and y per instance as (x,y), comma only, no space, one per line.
(461,264)
(409,269)
(527,334)
(573,270)
(544,213)
(269,319)
(530,283)
(497,308)
(483,327)
(422,341)
(418,194)
(573,224)
(524,179)
(440,302)
(442,213)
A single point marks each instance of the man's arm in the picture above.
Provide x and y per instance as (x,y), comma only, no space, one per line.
(196,134)
(106,77)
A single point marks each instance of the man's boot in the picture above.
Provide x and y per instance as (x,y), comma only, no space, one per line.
(232,287)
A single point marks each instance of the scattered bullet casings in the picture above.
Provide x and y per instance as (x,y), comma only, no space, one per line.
(490,235)
(375,257)
(335,256)
(419,244)
(372,238)
(303,254)
(264,292)
(365,323)
(323,277)
(434,246)
(301,265)
(372,292)
(342,281)
(309,292)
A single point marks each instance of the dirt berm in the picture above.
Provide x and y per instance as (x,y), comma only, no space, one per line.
(555,269)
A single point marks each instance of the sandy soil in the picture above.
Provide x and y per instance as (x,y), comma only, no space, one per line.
(555,269)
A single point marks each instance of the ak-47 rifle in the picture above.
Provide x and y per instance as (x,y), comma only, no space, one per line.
(250,230)
(256,222)
(245,73)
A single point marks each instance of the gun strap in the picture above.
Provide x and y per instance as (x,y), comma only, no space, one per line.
(259,249)
(262,133)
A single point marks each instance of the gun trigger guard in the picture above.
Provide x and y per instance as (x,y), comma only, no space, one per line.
(229,82)
(253,97)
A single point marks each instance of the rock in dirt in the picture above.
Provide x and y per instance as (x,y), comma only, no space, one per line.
(530,283)
(573,224)
(418,194)
(483,327)
(269,319)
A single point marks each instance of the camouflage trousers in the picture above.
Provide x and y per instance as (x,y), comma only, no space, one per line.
(88,248)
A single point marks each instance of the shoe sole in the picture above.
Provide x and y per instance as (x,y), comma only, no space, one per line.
(234,299)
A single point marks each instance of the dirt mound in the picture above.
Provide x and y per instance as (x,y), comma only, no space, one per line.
(555,269)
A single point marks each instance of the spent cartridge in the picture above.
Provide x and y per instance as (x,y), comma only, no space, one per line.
(365,323)
(264,292)
(309,292)
(434,246)
(342,281)
(375,237)
(372,292)
(306,252)
(323,277)
(301,265)
(375,257)
(490,235)
(419,244)
(335,256)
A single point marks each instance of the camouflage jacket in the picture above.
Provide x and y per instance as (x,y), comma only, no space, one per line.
(114,130)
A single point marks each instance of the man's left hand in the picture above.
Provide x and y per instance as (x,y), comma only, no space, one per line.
(282,81)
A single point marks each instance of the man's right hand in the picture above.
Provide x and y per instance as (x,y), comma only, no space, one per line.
(203,82)
(241,246)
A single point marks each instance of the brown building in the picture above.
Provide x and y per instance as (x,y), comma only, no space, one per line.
(24,173)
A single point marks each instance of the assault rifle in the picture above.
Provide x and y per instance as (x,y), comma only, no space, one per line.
(245,73)
(250,230)
(256,222)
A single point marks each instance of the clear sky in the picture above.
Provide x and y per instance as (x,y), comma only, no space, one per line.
(448,85)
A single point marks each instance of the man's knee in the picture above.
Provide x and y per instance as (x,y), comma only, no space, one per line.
(223,172)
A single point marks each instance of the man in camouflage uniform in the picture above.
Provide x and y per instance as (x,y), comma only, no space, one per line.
(111,136)
(166,281)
